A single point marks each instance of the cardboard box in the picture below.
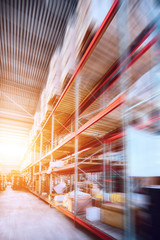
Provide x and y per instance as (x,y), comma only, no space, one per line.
(95,191)
(98,202)
(81,202)
(118,197)
(112,215)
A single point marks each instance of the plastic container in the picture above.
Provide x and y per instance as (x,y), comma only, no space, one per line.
(93,214)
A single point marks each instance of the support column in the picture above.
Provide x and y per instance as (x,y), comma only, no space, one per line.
(76,144)
(110,171)
(33,183)
(52,138)
(104,170)
(71,126)
(40,165)
(52,133)
(124,39)
(70,183)
(34,160)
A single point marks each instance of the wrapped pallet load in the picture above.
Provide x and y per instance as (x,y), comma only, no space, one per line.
(68,54)
(31,134)
(53,86)
(90,15)
(34,129)
(53,165)
(42,105)
(45,107)
(59,188)
(65,200)
(52,90)
(36,125)
(58,200)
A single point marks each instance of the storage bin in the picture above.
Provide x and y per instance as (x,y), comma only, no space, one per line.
(93,213)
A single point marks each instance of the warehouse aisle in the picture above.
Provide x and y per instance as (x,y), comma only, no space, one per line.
(24,216)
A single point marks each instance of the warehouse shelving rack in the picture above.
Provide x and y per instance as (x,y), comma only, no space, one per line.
(72,141)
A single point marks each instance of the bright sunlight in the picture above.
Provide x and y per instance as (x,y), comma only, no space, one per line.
(12,152)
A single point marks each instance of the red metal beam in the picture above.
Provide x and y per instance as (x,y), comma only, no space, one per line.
(68,214)
(148,123)
(94,42)
(139,126)
(91,228)
(69,169)
(109,139)
(116,103)
(100,115)
(110,15)
(117,136)
(115,67)
(94,230)
(132,61)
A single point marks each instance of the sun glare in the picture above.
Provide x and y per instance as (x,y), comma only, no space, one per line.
(12,153)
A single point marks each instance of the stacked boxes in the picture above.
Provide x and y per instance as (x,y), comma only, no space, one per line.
(90,14)
(42,105)
(35,127)
(45,184)
(82,204)
(53,85)
(113,215)
(45,107)
(68,53)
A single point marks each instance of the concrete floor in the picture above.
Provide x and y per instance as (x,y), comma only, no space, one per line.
(24,217)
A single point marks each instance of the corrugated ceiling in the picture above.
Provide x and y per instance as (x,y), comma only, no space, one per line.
(30,31)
